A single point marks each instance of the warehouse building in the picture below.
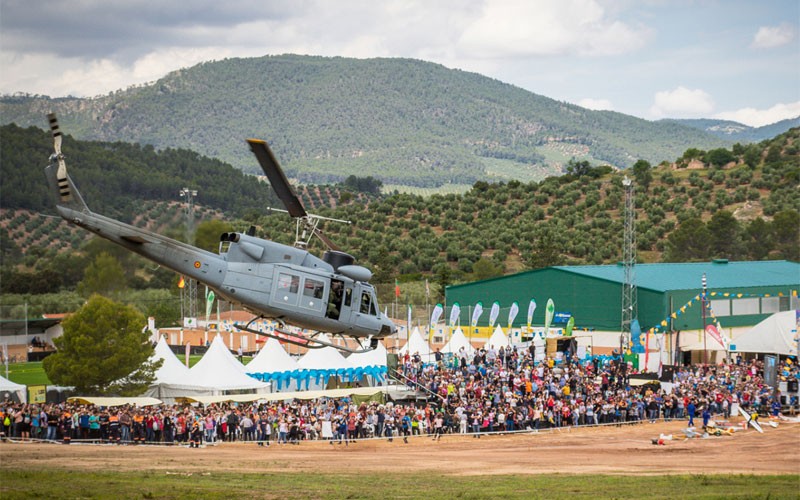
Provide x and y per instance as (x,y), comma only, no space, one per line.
(740,295)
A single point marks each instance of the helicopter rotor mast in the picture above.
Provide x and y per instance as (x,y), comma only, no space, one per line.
(307,224)
(306,227)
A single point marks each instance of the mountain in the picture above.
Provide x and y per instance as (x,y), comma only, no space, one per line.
(739,132)
(744,207)
(403,121)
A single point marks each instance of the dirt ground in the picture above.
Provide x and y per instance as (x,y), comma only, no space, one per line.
(615,450)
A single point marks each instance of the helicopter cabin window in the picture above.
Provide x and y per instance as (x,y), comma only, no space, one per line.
(348,297)
(312,293)
(288,283)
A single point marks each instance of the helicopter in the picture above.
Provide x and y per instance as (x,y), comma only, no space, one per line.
(283,283)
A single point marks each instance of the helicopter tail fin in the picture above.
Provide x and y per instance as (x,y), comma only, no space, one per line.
(61,184)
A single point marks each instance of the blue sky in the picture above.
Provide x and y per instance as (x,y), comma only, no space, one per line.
(733,59)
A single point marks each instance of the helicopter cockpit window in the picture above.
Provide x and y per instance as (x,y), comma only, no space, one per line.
(366,303)
(288,283)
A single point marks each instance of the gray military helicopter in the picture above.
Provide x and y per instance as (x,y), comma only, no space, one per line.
(283,283)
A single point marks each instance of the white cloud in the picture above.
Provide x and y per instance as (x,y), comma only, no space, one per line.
(768,37)
(682,103)
(760,117)
(524,28)
(596,104)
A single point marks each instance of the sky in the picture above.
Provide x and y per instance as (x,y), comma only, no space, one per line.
(727,59)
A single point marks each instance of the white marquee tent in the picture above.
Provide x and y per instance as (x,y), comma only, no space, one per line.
(271,358)
(416,344)
(370,363)
(775,335)
(219,370)
(318,365)
(456,342)
(273,364)
(498,339)
(7,386)
(173,379)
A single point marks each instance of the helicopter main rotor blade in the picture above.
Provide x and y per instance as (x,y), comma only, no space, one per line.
(277,178)
(331,245)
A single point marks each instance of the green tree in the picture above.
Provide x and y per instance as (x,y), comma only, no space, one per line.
(546,252)
(758,240)
(725,235)
(485,269)
(104,351)
(643,173)
(719,157)
(208,232)
(691,241)
(443,277)
(104,276)
(786,230)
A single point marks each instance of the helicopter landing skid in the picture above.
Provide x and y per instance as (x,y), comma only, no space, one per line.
(307,342)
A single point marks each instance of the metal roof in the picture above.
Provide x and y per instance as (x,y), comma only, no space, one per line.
(687,276)
(33,325)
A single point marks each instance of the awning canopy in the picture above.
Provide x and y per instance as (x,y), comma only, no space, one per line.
(281,396)
(114,401)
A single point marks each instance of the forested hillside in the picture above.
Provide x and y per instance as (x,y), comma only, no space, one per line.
(403,121)
(737,204)
(739,132)
(115,178)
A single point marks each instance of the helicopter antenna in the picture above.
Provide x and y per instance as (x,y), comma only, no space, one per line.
(307,224)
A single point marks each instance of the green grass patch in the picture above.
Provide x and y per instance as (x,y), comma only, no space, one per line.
(29,373)
(500,170)
(290,485)
(426,192)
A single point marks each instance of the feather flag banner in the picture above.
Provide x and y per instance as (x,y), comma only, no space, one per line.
(408,325)
(549,311)
(209,302)
(476,314)
(570,326)
(637,346)
(713,331)
(493,314)
(512,313)
(436,314)
(531,309)
(454,313)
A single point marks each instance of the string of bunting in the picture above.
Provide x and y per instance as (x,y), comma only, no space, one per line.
(698,298)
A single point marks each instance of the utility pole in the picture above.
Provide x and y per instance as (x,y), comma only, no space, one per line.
(629,299)
(190,297)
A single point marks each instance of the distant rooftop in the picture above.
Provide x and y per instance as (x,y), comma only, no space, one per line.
(687,276)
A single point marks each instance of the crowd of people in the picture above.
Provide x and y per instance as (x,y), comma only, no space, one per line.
(491,391)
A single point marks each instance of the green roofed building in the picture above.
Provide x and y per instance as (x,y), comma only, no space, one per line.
(740,294)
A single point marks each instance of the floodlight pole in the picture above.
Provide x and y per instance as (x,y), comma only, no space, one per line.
(703,305)
(191,294)
(629,291)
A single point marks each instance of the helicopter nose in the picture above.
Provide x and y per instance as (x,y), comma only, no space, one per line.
(387,329)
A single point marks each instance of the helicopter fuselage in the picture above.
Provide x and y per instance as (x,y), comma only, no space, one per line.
(270,279)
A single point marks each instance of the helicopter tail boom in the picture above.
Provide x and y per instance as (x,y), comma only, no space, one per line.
(185,259)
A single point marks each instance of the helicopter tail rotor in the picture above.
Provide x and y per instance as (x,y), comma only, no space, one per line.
(61,173)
